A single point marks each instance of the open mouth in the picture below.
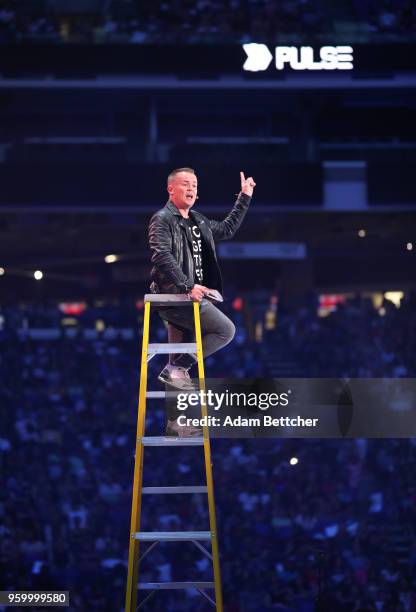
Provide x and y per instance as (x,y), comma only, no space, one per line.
(189,197)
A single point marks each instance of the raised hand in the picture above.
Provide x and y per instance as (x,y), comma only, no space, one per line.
(247,184)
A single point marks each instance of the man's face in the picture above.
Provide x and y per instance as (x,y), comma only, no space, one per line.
(183,189)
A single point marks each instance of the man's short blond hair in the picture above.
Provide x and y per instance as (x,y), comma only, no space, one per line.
(177,170)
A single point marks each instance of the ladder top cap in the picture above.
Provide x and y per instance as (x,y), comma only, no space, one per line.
(168,298)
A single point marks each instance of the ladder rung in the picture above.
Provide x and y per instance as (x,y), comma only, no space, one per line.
(172,441)
(183,489)
(172,536)
(156,394)
(171,347)
(162,394)
(176,585)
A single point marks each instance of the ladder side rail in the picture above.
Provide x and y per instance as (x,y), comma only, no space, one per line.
(133,563)
(208,466)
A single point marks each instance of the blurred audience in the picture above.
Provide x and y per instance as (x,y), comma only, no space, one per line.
(339,525)
(200,21)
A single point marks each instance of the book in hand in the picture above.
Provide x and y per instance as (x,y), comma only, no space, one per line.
(214,295)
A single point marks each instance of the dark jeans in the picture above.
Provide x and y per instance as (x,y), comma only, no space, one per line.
(216,329)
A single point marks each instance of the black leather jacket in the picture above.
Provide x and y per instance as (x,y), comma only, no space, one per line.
(171,246)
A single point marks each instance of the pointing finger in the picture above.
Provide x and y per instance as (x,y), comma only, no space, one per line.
(242,177)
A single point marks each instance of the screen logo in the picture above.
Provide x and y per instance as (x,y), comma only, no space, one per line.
(259,58)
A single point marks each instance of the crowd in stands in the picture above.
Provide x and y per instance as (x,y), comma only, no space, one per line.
(338,526)
(329,346)
(388,17)
(200,21)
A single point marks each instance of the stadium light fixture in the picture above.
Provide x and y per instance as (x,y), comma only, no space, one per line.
(294,461)
(2,271)
(110,258)
(409,246)
(395,297)
(362,233)
(38,274)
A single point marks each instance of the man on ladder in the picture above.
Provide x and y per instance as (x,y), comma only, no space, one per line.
(182,242)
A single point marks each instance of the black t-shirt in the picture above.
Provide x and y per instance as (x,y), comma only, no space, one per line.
(195,233)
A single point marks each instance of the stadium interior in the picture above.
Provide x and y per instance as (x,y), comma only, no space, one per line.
(99,100)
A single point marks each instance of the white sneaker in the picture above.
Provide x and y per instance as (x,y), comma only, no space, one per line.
(177,377)
(182,431)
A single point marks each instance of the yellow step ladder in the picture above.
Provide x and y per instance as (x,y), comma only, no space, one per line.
(136,535)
